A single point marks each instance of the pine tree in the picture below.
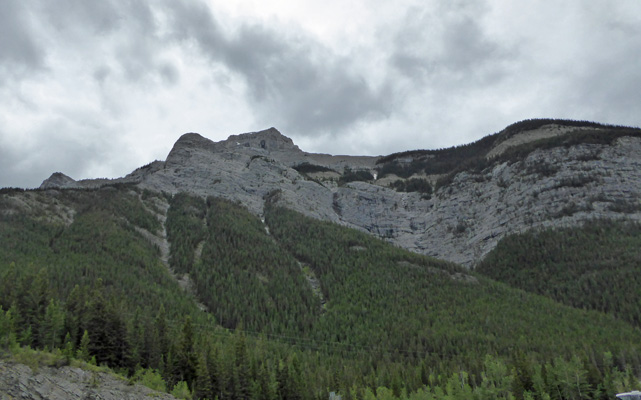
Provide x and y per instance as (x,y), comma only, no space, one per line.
(68,348)
(202,385)
(52,326)
(264,390)
(76,306)
(162,332)
(283,389)
(184,359)
(9,291)
(108,334)
(83,349)
(7,334)
(34,304)
(241,369)
(150,352)
(214,371)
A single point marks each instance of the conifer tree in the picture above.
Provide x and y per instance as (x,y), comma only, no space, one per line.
(52,325)
(264,384)
(202,385)
(35,299)
(76,306)
(184,359)
(108,333)
(7,334)
(162,332)
(83,349)
(216,382)
(68,348)
(241,368)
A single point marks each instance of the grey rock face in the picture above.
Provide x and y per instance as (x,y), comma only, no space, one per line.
(18,381)
(462,222)
(465,220)
(59,180)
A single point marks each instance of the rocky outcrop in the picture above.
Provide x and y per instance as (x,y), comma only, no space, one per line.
(18,381)
(461,222)
(59,180)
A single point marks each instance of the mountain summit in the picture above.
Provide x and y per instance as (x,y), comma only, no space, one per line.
(454,203)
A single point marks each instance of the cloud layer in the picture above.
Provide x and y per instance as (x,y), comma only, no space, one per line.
(96,89)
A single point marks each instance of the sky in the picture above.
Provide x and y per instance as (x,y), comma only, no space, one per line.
(96,89)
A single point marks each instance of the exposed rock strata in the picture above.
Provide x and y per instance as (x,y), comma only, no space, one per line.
(462,221)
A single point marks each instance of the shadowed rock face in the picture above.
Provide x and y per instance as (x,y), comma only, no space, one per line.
(461,222)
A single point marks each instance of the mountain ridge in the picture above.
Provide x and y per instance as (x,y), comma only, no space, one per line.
(533,174)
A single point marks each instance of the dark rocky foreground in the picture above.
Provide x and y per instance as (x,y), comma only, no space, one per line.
(18,381)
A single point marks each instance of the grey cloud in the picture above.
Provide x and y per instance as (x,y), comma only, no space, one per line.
(293,81)
(607,88)
(101,73)
(29,169)
(169,73)
(466,45)
(193,21)
(312,88)
(61,144)
(592,70)
(124,33)
(10,175)
(17,42)
(97,17)
(447,46)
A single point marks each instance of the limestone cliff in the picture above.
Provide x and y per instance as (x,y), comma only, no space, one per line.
(530,175)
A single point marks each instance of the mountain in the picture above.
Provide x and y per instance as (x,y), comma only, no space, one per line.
(454,204)
(248,268)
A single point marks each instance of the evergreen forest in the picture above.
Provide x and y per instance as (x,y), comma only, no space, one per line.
(198,297)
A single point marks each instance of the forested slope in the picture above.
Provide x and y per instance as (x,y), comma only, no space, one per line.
(596,266)
(95,273)
(292,312)
(380,295)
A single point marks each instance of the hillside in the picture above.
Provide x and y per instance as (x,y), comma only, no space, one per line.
(301,301)
(596,266)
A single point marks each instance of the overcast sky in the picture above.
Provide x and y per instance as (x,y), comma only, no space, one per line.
(99,88)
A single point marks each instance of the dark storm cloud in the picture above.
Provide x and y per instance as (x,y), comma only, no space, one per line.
(293,80)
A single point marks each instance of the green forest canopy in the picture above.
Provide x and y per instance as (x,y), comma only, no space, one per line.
(394,325)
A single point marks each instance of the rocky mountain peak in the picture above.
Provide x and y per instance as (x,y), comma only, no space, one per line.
(58,180)
(268,140)
(263,142)
(191,141)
